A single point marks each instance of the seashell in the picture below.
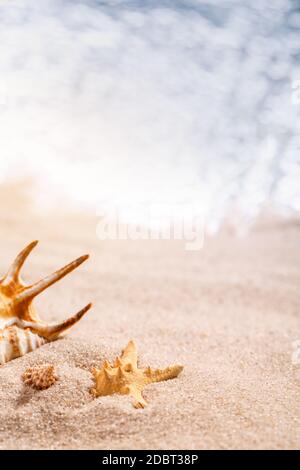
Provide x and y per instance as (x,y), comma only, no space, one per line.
(21,330)
(40,377)
(124,377)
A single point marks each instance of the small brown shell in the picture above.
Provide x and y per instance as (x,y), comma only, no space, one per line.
(40,377)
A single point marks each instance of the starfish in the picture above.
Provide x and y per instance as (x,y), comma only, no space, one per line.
(126,378)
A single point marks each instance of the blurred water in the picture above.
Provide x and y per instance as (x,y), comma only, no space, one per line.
(116,102)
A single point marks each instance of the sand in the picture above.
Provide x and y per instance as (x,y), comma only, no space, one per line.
(229,313)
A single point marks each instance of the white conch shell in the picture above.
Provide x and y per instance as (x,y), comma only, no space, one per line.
(21,331)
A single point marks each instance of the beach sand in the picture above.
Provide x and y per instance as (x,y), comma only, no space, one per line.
(229,313)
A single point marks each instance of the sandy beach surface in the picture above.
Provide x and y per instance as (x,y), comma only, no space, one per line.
(229,313)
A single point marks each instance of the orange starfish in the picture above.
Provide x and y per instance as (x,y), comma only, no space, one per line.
(125,378)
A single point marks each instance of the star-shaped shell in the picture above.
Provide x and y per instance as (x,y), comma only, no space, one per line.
(21,330)
(40,377)
(124,376)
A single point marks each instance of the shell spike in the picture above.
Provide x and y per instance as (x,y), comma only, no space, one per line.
(30,292)
(14,271)
(57,330)
(51,332)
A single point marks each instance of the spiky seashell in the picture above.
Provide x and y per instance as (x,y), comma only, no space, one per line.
(40,377)
(21,330)
(124,376)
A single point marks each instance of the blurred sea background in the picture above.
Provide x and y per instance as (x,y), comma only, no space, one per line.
(170,104)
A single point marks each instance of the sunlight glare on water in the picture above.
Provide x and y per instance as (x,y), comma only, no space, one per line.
(165,104)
